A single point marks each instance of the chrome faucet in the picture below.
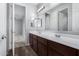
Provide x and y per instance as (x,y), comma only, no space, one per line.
(57,35)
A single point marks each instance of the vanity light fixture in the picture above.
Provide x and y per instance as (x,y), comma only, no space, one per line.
(40,9)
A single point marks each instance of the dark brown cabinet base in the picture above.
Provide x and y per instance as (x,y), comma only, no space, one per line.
(35,45)
(62,49)
(42,50)
(78,52)
(52,52)
(45,47)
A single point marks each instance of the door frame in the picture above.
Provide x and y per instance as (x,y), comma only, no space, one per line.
(9,25)
(12,29)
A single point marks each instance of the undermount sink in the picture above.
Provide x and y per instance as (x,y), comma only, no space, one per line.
(70,40)
(48,34)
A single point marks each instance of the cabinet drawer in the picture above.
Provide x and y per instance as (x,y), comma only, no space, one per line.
(42,40)
(62,49)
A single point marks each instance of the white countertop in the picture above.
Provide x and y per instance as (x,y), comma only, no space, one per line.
(65,39)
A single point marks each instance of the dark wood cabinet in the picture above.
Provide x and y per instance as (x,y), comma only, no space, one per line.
(35,45)
(38,44)
(33,42)
(30,40)
(78,52)
(44,47)
(42,40)
(42,50)
(62,49)
(52,52)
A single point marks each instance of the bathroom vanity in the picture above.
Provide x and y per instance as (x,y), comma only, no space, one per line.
(45,45)
(64,41)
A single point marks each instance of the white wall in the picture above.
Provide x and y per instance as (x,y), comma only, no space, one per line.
(19,27)
(3,18)
(19,11)
(30,13)
(20,17)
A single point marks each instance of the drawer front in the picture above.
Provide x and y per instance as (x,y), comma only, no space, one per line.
(42,50)
(62,49)
(42,40)
(34,37)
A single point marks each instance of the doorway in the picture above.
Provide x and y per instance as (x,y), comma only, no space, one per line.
(19,26)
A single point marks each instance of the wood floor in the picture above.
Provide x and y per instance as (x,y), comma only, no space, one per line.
(24,51)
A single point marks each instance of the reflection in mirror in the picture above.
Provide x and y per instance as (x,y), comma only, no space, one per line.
(47,21)
(63,20)
(37,22)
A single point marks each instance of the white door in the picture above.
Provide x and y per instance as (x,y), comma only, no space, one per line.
(3,29)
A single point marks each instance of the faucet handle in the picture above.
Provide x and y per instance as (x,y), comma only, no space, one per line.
(57,35)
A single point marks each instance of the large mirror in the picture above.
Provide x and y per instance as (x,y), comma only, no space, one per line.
(63,20)
(37,23)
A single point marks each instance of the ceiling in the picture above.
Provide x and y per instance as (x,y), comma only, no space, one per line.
(35,4)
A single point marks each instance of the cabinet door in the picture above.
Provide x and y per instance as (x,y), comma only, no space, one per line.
(52,52)
(35,45)
(30,40)
(42,40)
(42,50)
(78,52)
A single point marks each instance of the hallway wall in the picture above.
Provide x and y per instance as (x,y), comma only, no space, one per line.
(30,12)
(19,27)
